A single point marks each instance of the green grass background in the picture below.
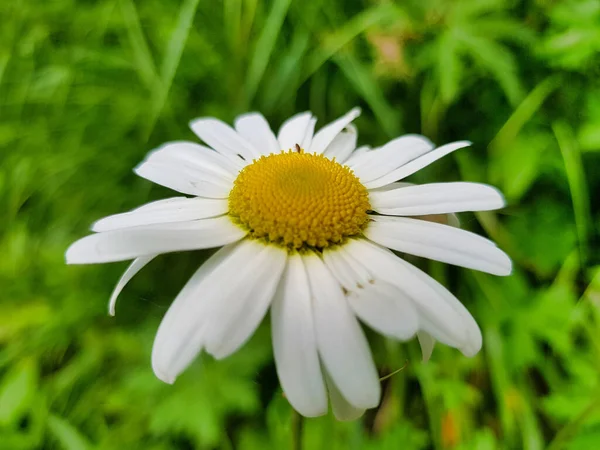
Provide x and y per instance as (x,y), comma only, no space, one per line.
(88,87)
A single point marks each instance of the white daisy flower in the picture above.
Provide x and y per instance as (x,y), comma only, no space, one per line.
(305,222)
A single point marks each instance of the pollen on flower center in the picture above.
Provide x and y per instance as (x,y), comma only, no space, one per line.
(296,199)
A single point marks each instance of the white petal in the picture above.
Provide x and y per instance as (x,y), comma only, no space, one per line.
(198,157)
(180,335)
(327,134)
(310,131)
(294,342)
(356,154)
(391,186)
(427,342)
(342,410)
(183,181)
(438,242)
(377,303)
(190,168)
(256,130)
(129,243)
(243,292)
(441,314)
(137,265)
(436,198)
(178,209)
(343,145)
(386,309)
(437,314)
(297,129)
(374,164)
(395,173)
(224,139)
(474,340)
(349,273)
(342,345)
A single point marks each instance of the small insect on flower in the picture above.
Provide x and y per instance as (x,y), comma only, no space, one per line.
(305,222)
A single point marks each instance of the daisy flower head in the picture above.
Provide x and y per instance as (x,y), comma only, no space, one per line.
(305,224)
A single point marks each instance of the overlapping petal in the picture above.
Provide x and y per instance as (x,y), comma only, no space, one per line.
(130,243)
(224,139)
(439,242)
(395,172)
(256,130)
(325,136)
(440,313)
(190,169)
(372,165)
(298,129)
(341,343)
(180,336)
(295,344)
(177,209)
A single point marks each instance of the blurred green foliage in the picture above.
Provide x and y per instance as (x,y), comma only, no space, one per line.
(87,87)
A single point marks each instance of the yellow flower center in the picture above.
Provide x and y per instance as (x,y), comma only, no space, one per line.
(296,200)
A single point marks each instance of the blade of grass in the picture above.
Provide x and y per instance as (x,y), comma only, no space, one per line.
(449,67)
(232,14)
(318,93)
(287,70)
(142,57)
(524,112)
(247,19)
(425,374)
(3,64)
(500,380)
(172,58)
(577,184)
(69,437)
(432,109)
(368,88)
(264,47)
(570,429)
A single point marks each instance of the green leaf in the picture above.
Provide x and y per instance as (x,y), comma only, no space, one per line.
(17,391)
(69,437)
(520,163)
(550,231)
(498,61)
(577,183)
(334,41)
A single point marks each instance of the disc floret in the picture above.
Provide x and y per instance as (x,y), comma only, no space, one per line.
(296,199)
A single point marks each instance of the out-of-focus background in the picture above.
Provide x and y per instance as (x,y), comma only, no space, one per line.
(88,87)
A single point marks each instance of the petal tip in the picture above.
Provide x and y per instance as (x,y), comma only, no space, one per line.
(72,255)
(507,266)
(312,412)
(112,306)
(165,378)
(470,351)
(192,123)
